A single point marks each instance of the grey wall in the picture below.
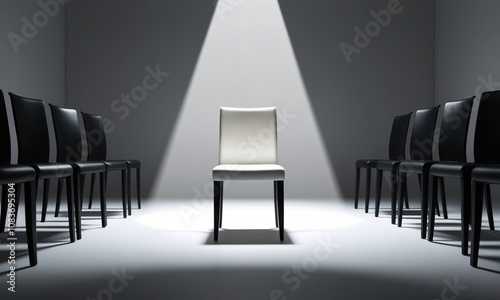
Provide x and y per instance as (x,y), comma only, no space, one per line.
(34,66)
(391,74)
(110,43)
(467,47)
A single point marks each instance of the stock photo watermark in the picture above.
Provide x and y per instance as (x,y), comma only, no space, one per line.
(226,6)
(116,285)
(202,197)
(293,277)
(31,26)
(11,237)
(451,291)
(485,84)
(139,93)
(372,29)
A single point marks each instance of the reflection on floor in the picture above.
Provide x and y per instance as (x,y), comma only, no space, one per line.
(331,251)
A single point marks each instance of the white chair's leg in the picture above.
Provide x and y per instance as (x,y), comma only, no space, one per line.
(280,185)
(217,203)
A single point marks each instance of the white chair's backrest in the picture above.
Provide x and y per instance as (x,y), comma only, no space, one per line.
(248,136)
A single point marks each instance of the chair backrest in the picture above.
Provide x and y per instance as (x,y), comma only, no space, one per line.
(422,137)
(68,137)
(397,142)
(31,128)
(454,127)
(487,135)
(248,136)
(5,154)
(96,137)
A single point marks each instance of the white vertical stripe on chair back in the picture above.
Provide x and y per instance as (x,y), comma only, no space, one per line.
(248,136)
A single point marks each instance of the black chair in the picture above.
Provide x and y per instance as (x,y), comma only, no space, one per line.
(96,139)
(12,177)
(481,177)
(33,146)
(486,150)
(397,145)
(463,170)
(423,131)
(421,155)
(69,147)
(452,148)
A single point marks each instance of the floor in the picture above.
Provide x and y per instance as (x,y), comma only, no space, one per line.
(331,251)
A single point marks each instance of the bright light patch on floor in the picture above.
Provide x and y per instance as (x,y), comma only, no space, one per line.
(256,214)
(247,60)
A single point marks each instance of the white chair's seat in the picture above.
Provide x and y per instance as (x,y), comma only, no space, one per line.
(248,172)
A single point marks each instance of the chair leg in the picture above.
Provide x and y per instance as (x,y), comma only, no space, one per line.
(216,209)
(91,193)
(60,182)
(437,211)
(394,192)
(276,216)
(129,189)
(221,202)
(432,207)
(477,213)
(281,208)
(356,191)
(489,208)
(421,190)
(378,190)
(73,212)
(104,216)
(76,201)
(18,199)
(125,198)
(30,215)
(46,187)
(443,197)
(367,189)
(3,210)
(82,185)
(402,180)
(466,213)
(407,203)
(138,178)
(425,202)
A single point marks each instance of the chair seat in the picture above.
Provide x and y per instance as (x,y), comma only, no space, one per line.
(388,164)
(367,163)
(114,165)
(133,163)
(248,172)
(16,173)
(489,174)
(52,170)
(416,166)
(451,169)
(85,167)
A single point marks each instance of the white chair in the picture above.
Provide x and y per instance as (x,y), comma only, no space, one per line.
(248,150)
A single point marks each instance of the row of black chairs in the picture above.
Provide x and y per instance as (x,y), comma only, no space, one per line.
(33,164)
(451,142)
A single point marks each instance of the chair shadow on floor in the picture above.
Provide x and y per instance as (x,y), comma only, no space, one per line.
(57,236)
(248,237)
(489,247)
(49,235)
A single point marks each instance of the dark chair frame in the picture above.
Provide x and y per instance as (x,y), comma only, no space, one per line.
(397,146)
(33,147)
(69,150)
(96,139)
(17,175)
(463,170)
